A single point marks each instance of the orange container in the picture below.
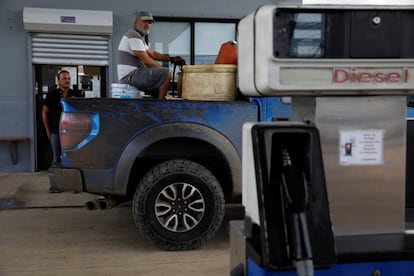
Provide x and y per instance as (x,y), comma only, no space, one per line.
(227,53)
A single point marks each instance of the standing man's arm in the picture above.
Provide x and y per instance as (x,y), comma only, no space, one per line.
(45,119)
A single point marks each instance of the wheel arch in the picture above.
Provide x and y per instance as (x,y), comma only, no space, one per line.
(170,134)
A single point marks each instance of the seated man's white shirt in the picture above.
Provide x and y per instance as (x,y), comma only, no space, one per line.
(129,45)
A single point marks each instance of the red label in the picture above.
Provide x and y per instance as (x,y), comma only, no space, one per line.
(354,75)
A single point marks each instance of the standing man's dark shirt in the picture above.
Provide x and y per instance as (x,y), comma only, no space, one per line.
(55,108)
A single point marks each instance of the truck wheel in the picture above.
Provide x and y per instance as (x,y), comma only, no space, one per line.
(178,205)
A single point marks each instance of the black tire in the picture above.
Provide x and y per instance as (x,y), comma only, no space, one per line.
(178,205)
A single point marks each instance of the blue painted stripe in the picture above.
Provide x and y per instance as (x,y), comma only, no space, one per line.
(400,268)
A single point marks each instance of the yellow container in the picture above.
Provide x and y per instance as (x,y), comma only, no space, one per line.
(214,82)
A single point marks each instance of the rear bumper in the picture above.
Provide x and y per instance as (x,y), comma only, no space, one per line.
(66,179)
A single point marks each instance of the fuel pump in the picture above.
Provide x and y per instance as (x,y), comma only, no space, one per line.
(324,193)
(287,213)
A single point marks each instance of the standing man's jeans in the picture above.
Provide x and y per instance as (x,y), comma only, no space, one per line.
(56,149)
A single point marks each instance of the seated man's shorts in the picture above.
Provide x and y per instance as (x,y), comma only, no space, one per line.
(146,79)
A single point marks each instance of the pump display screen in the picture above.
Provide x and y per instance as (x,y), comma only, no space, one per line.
(308,36)
(309,33)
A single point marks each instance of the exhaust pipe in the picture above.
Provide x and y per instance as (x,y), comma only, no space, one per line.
(90,205)
(106,203)
(101,204)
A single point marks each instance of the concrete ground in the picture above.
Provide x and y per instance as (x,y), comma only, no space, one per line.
(31,190)
(52,234)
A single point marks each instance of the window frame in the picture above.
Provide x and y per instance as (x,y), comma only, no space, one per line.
(193,21)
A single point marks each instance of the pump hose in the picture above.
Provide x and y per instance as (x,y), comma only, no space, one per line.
(294,186)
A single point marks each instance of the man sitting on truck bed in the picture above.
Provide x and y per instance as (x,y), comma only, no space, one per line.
(137,62)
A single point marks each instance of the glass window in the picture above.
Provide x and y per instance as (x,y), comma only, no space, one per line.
(171,38)
(198,41)
(208,38)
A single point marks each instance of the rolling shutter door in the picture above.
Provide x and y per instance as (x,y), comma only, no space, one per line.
(70,49)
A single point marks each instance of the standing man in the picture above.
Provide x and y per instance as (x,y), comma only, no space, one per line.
(51,111)
(137,62)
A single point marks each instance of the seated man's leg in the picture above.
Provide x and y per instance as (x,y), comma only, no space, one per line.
(150,79)
(155,79)
(164,87)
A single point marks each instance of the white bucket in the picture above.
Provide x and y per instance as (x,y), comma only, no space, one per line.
(122,91)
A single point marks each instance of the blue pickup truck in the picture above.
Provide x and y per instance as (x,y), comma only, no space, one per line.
(177,161)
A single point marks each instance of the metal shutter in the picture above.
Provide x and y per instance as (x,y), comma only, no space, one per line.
(70,49)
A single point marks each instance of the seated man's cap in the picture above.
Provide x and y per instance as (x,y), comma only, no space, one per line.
(145,15)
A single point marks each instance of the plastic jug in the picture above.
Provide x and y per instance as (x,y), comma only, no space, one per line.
(227,53)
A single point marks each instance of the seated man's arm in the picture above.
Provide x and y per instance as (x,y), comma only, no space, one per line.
(145,57)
